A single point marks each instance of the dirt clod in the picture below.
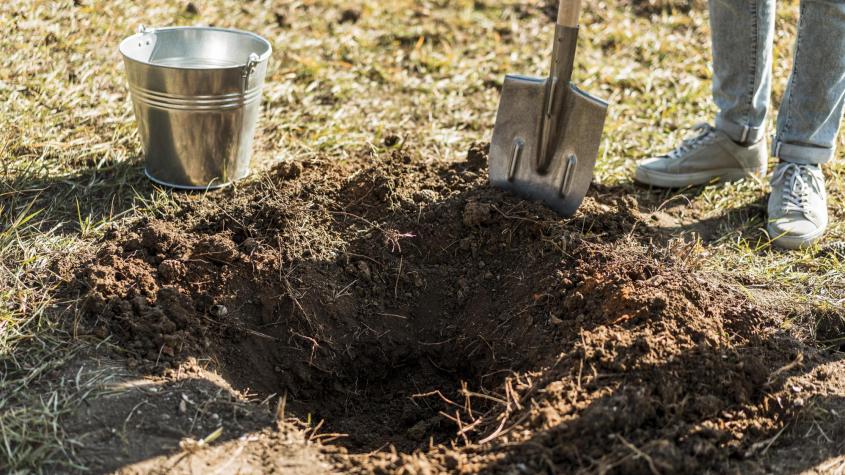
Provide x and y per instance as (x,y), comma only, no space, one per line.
(288,170)
(476,213)
(171,269)
(281,19)
(349,15)
(477,155)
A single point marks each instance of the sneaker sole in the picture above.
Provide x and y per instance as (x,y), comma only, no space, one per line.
(681,180)
(787,241)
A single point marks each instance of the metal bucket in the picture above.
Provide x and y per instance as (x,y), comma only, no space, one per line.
(197,94)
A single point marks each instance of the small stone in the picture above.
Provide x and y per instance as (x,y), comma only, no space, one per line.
(422,428)
(555,320)
(183,406)
(425,196)
(219,311)
(364,270)
(249,245)
(391,140)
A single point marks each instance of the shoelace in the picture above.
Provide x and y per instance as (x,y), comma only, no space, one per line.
(798,181)
(705,135)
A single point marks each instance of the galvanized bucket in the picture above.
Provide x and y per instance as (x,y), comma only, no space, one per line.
(197,94)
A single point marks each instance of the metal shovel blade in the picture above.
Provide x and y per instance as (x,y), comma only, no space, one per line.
(514,149)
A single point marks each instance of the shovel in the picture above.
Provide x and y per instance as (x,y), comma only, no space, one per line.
(547,132)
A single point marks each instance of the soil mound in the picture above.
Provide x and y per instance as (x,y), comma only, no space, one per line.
(406,304)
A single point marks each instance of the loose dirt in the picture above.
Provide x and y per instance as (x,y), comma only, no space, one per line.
(384,314)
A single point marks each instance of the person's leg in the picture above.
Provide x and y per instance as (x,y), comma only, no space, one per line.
(808,123)
(742,36)
(809,116)
(742,33)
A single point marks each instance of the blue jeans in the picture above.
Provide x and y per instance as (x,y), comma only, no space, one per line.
(809,116)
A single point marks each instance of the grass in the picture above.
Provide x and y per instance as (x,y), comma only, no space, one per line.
(425,71)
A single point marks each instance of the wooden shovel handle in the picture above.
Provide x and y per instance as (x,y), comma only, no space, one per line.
(567,12)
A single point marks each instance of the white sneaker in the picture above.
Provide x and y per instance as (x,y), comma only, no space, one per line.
(712,155)
(797,206)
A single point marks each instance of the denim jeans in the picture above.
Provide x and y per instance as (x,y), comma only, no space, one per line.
(811,110)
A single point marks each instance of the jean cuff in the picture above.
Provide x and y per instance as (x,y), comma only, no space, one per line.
(744,134)
(802,154)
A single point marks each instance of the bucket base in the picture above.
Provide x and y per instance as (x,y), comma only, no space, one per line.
(212,186)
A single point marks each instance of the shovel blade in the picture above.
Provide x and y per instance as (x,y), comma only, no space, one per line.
(515,144)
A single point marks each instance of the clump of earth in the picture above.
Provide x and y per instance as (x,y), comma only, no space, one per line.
(431,324)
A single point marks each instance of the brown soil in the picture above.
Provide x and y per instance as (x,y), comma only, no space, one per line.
(409,317)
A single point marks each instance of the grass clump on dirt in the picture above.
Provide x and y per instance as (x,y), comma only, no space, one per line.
(364,302)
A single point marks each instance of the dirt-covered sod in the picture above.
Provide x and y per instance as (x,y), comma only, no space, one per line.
(364,302)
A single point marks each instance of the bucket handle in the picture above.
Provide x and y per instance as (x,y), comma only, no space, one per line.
(248,69)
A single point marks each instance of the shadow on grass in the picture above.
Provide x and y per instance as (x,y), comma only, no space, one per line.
(189,425)
(667,214)
(139,420)
(75,202)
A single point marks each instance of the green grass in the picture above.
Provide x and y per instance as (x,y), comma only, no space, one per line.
(426,71)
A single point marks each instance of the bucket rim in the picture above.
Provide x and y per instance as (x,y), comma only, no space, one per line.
(261,57)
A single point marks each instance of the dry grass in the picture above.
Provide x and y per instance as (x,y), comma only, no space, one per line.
(425,71)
